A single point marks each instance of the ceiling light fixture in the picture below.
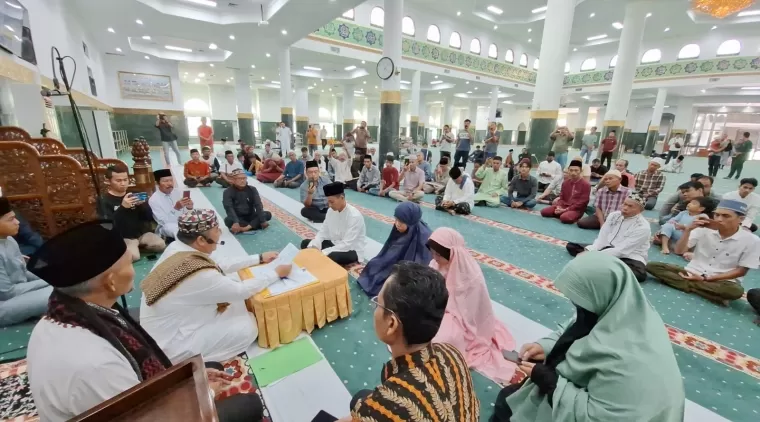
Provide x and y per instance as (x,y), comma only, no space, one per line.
(530,29)
(575,49)
(321,79)
(212,46)
(109,29)
(703,90)
(263,77)
(146,37)
(466,82)
(349,68)
(597,37)
(539,10)
(714,27)
(228,81)
(494,9)
(592,15)
(459,13)
(469,92)
(365,82)
(530,39)
(209,3)
(375,86)
(139,22)
(439,92)
(13,5)
(436,76)
(586,97)
(617,25)
(495,27)
(405,82)
(232,37)
(649,14)
(316,69)
(666,29)
(253,66)
(182,49)
(118,49)
(196,80)
(276,82)
(435,82)
(364,62)
(147,58)
(284,32)
(750,87)
(268,55)
(201,75)
(748,13)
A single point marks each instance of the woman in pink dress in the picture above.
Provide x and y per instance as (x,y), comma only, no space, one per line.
(469,323)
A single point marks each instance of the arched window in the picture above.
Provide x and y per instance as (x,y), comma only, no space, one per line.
(434,34)
(689,51)
(588,64)
(455,41)
(524,60)
(377,17)
(475,46)
(407,26)
(348,14)
(535,64)
(613,62)
(493,51)
(510,56)
(729,47)
(651,56)
(567,67)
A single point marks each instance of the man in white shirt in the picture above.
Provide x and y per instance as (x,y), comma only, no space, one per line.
(87,349)
(674,147)
(284,135)
(342,168)
(448,139)
(723,254)
(343,235)
(624,234)
(746,194)
(193,303)
(459,196)
(225,169)
(548,171)
(323,136)
(167,205)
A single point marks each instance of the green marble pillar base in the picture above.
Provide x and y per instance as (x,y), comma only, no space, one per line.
(506,137)
(414,130)
(245,129)
(617,126)
(224,129)
(288,120)
(302,125)
(578,140)
(522,135)
(390,113)
(373,132)
(651,140)
(338,132)
(347,127)
(542,124)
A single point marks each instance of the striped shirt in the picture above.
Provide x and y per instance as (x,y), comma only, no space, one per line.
(432,384)
(609,201)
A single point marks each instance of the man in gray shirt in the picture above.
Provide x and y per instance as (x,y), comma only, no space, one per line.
(168,139)
(369,177)
(313,195)
(522,189)
(492,141)
(589,143)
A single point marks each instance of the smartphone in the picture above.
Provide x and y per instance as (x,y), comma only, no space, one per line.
(186,194)
(142,196)
(511,356)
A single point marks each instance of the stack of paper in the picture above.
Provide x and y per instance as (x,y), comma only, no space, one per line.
(297,278)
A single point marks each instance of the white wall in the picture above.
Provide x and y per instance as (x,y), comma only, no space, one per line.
(269,105)
(314,108)
(196,98)
(155,66)
(223,102)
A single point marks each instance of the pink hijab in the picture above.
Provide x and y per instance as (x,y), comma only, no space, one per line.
(469,323)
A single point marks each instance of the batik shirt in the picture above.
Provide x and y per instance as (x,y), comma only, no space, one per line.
(433,384)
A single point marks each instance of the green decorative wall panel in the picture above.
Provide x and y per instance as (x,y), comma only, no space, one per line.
(680,69)
(224,129)
(372,38)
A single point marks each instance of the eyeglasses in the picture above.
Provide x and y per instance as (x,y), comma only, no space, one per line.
(375,304)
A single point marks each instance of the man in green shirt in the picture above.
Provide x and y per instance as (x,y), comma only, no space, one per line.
(494,183)
(742,149)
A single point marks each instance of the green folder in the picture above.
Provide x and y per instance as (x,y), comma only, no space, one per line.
(283,361)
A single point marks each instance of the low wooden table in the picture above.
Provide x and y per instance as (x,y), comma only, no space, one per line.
(281,318)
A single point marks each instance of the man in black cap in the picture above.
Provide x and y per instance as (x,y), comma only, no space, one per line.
(243,206)
(167,205)
(87,349)
(312,194)
(22,294)
(130,213)
(342,236)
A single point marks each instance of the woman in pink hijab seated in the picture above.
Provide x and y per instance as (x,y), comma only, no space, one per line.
(469,323)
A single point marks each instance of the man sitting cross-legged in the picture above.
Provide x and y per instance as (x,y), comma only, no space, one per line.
(522,188)
(412,181)
(624,234)
(243,206)
(389,181)
(312,194)
(459,196)
(440,178)
(552,190)
(369,178)
(408,314)
(342,235)
(87,349)
(573,198)
(167,205)
(191,305)
(197,171)
(494,183)
(292,177)
(723,254)
(226,168)
(650,182)
(608,200)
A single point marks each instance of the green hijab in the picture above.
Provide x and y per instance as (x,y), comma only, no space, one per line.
(624,370)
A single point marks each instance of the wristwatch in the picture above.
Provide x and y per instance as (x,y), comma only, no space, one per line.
(261,259)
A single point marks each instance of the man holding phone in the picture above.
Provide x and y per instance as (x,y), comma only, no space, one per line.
(167,204)
(168,138)
(312,194)
(130,213)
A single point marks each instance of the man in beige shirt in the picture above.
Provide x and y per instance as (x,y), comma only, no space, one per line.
(361,135)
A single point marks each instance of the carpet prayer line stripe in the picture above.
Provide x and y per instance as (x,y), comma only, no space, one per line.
(691,342)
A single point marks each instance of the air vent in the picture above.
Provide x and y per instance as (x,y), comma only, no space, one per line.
(578,89)
(446,71)
(713,80)
(335,50)
(477,78)
(114,54)
(232,4)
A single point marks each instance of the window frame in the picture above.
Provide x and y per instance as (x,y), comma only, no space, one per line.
(496,51)
(438,31)
(589,69)
(738,52)
(536,63)
(520,63)
(699,51)
(414,27)
(459,37)
(615,59)
(353,15)
(659,59)
(480,46)
(567,67)
(370,17)
(509,51)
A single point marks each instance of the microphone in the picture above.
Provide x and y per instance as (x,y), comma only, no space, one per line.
(221,243)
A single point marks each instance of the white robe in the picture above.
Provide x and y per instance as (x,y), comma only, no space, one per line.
(345,230)
(164,212)
(185,321)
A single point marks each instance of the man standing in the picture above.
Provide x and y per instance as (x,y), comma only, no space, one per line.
(342,236)
(573,197)
(492,140)
(459,196)
(166,205)
(292,177)
(742,150)
(312,194)
(229,165)
(206,135)
(361,136)
(447,140)
(168,138)
(714,155)
(522,189)
(312,138)
(130,214)
(609,199)
(413,180)
(548,171)
(493,184)
(284,136)
(389,181)
(197,172)
(723,254)
(323,136)
(465,139)
(674,147)
(608,147)
(650,182)
(369,177)
(624,234)
(561,140)
(746,194)
(212,161)
(589,143)
(22,294)
(243,206)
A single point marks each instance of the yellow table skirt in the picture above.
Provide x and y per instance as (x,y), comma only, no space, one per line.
(281,318)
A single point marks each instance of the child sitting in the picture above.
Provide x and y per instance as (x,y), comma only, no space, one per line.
(675,166)
(673,229)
